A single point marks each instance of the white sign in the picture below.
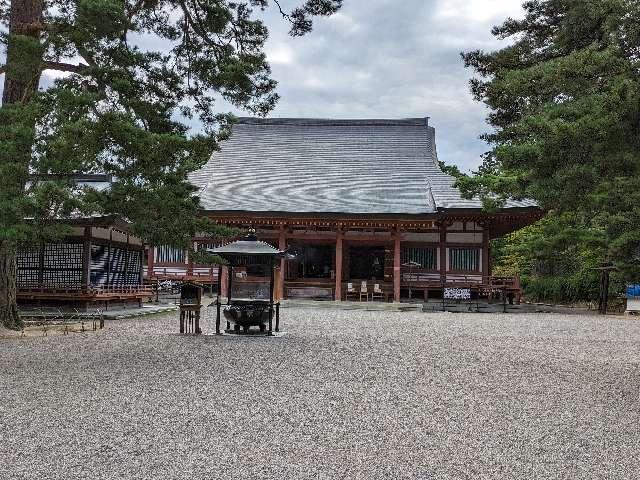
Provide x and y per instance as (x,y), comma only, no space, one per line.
(457,293)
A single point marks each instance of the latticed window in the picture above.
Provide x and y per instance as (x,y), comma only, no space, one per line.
(62,265)
(168,254)
(425,256)
(28,260)
(464,259)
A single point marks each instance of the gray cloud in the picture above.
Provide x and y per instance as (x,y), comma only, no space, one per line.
(392,59)
(387,59)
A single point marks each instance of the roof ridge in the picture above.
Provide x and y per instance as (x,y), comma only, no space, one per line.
(399,122)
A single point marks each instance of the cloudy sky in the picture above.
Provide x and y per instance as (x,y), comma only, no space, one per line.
(388,59)
(391,59)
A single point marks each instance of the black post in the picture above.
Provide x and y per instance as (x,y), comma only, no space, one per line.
(600,290)
(218,300)
(271,282)
(278,317)
(504,299)
(605,291)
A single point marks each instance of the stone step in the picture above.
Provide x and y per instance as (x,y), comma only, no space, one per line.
(371,306)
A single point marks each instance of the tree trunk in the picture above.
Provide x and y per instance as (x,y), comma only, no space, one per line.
(8,305)
(24,52)
(22,75)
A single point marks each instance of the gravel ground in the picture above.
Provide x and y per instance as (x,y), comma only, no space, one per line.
(343,394)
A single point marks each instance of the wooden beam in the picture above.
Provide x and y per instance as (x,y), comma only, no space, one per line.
(321,222)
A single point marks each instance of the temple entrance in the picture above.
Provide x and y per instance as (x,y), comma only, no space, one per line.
(366,263)
(313,261)
(311,274)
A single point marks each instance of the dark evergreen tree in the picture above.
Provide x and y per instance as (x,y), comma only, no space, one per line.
(564,97)
(122,110)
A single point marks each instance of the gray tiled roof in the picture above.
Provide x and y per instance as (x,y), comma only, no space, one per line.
(329,166)
(245,247)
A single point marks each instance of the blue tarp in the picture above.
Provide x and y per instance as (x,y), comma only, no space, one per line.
(633,291)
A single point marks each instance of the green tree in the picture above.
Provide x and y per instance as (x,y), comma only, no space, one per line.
(555,258)
(122,109)
(564,100)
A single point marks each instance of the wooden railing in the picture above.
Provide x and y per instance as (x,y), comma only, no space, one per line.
(93,290)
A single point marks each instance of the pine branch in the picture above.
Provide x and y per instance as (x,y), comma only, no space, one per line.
(3,68)
(64,67)
(135,9)
(285,15)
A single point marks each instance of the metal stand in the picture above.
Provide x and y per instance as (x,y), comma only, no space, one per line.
(603,301)
(218,305)
(271,283)
(190,320)
(246,313)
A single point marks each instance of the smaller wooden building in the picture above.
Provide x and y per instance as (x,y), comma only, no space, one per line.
(99,264)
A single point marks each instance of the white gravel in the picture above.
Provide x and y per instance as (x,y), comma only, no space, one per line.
(344,394)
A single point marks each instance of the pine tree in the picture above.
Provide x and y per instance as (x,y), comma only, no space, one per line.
(564,100)
(122,109)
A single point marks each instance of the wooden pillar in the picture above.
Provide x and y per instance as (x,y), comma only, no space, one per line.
(229,282)
(41,266)
(443,252)
(396,267)
(486,271)
(282,245)
(141,272)
(109,279)
(126,263)
(194,245)
(150,261)
(338,266)
(224,282)
(86,258)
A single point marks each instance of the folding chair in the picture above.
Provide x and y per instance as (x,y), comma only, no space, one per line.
(364,291)
(377,292)
(351,292)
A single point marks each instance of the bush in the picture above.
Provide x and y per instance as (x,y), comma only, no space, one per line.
(582,287)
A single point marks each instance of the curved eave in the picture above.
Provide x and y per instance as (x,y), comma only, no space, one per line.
(510,219)
(501,211)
